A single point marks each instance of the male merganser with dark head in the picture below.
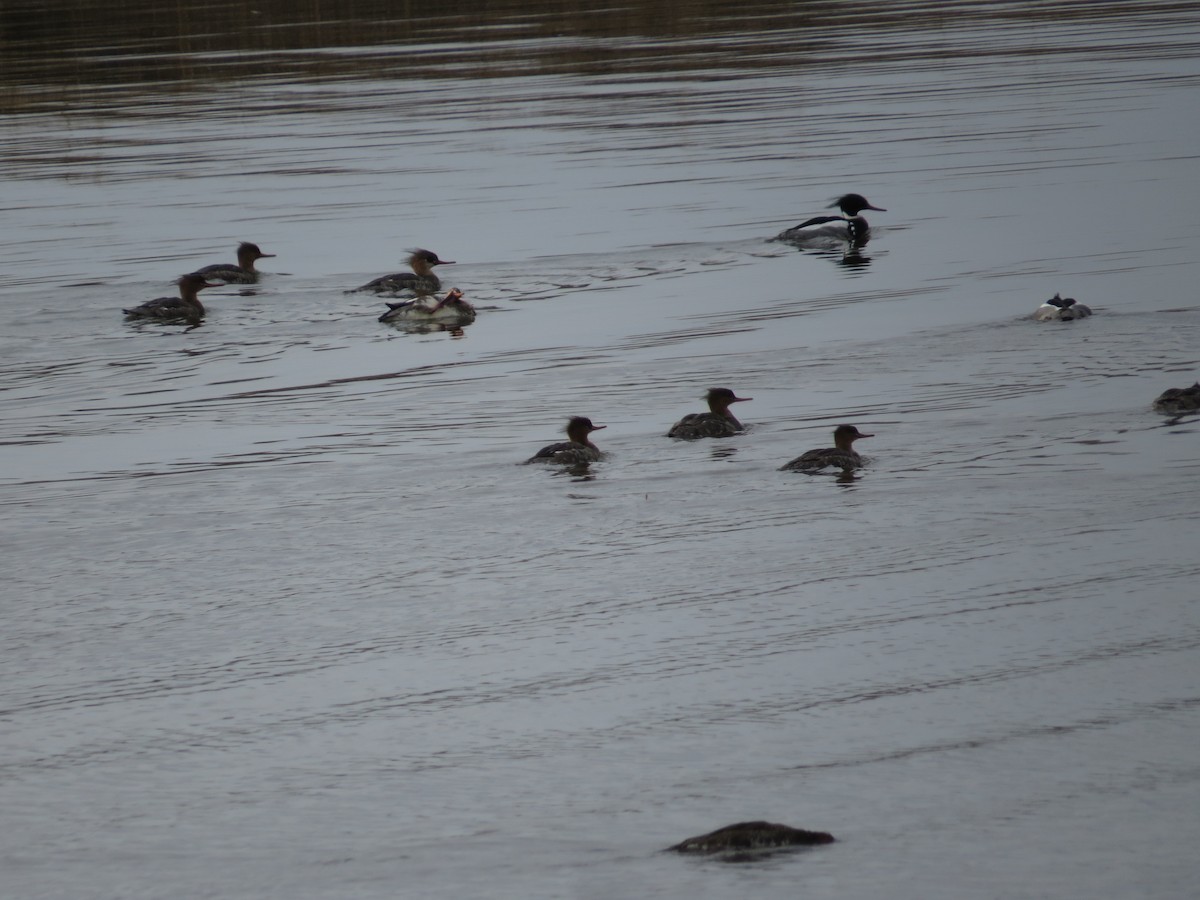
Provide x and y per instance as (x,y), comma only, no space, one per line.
(243,273)
(841,455)
(421,279)
(576,449)
(749,837)
(1061,309)
(1179,400)
(450,310)
(186,307)
(849,228)
(717,422)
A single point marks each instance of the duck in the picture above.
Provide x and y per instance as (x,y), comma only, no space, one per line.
(421,279)
(745,837)
(185,307)
(1179,400)
(849,228)
(578,447)
(450,310)
(841,455)
(717,422)
(1061,309)
(242,273)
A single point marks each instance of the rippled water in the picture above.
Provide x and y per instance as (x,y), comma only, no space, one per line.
(285,616)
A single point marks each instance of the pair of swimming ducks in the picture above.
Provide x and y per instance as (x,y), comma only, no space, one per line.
(578,449)
(421,280)
(187,306)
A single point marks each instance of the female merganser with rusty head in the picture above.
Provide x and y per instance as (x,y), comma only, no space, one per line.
(1174,401)
(747,838)
(186,307)
(243,273)
(849,228)
(717,422)
(1061,309)
(576,449)
(841,455)
(450,310)
(420,280)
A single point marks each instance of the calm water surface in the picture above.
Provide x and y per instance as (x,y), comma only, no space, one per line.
(284,616)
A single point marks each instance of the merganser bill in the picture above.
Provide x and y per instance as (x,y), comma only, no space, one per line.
(717,422)
(841,455)
(1179,400)
(450,310)
(242,273)
(745,837)
(849,228)
(420,280)
(1061,309)
(577,449)
(186,307)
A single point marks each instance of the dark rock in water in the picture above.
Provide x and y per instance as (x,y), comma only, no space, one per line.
(746,838)
(1179,400)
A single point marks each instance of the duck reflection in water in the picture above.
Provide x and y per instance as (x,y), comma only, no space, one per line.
(853,258)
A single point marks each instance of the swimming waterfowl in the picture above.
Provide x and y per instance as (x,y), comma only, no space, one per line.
(185,307)
(850,227)
(841,455)
(242,273)
(751,836)
(1061,309)
(576,449)
(717,422)
(450,310)
(420,280)
(1179,400)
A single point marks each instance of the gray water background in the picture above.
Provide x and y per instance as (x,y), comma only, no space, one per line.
(284,616)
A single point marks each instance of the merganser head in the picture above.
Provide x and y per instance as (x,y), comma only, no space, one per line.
(845,435)
(579,427)
(195,283)
(720,398)
(423,261)
(853,204)
(247,253)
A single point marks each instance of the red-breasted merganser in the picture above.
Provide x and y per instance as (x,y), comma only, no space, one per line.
(243,273)
(420,280)
(576,449)
(1061,309)
(1179,400)
(746,837)
(185,307)
(849,228)
(450,310)
(841,455)
(717,422)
